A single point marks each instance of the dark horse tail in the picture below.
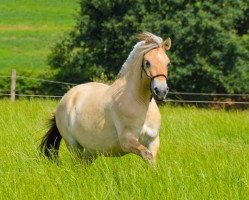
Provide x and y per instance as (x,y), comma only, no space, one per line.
(50,143)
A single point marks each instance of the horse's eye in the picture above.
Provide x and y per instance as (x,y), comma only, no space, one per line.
(147,64)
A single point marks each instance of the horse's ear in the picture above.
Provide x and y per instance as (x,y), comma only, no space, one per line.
(167,44)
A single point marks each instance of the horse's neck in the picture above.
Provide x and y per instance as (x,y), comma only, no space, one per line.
(134,87)
(140,85)
(131,84)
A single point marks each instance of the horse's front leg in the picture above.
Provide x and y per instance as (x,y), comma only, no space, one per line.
(130,143)
(153,147)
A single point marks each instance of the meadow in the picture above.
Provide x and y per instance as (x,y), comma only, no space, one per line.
(28,30)
(204,154)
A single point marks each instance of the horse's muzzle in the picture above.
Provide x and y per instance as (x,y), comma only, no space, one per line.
(159,89)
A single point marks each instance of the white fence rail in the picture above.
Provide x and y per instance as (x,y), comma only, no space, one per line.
(15,77)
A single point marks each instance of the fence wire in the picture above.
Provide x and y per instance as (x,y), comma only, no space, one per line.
(44,80)
(168,100)
(211,102)
(207,94)
(33,95)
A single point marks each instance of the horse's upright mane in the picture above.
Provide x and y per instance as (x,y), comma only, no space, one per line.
(147,41)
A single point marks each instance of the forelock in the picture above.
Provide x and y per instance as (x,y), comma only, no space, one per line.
(150,38)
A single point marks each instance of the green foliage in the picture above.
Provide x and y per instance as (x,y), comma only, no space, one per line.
(210,51)
(203,155)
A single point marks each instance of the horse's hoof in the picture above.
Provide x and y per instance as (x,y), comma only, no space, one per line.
(147,156)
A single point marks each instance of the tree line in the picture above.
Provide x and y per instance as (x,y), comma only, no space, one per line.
(210,41)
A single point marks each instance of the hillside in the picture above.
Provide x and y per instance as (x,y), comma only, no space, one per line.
(28,29)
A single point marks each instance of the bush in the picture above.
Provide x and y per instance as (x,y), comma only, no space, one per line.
(210,42)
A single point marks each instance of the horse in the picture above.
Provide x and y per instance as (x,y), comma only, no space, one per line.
(113,120)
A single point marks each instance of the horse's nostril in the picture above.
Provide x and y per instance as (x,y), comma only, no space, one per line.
(167,89)
(156,90)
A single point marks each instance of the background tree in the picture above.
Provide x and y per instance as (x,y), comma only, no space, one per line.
(210,42)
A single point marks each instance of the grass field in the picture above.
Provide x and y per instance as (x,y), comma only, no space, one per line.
(28,29)
(204,154)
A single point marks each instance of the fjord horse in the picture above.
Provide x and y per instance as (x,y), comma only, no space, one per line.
(115,119)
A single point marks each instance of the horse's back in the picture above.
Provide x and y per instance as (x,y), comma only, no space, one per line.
(87,90)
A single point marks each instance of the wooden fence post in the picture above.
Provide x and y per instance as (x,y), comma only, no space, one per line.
(13,85)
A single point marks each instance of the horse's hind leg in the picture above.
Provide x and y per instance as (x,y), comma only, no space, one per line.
(79,153)
(89,156)
(75,149)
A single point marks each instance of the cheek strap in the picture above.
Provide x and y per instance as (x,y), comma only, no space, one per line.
(151,77)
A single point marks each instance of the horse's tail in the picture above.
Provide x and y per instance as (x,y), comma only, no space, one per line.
(50,143)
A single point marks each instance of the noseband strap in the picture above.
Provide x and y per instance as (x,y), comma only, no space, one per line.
(158,76)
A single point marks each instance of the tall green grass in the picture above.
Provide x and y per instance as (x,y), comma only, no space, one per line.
(28,29)
(204,154)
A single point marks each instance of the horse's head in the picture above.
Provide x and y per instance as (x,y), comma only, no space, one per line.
(155,66)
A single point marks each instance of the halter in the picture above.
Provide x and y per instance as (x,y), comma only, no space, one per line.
(151,77)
